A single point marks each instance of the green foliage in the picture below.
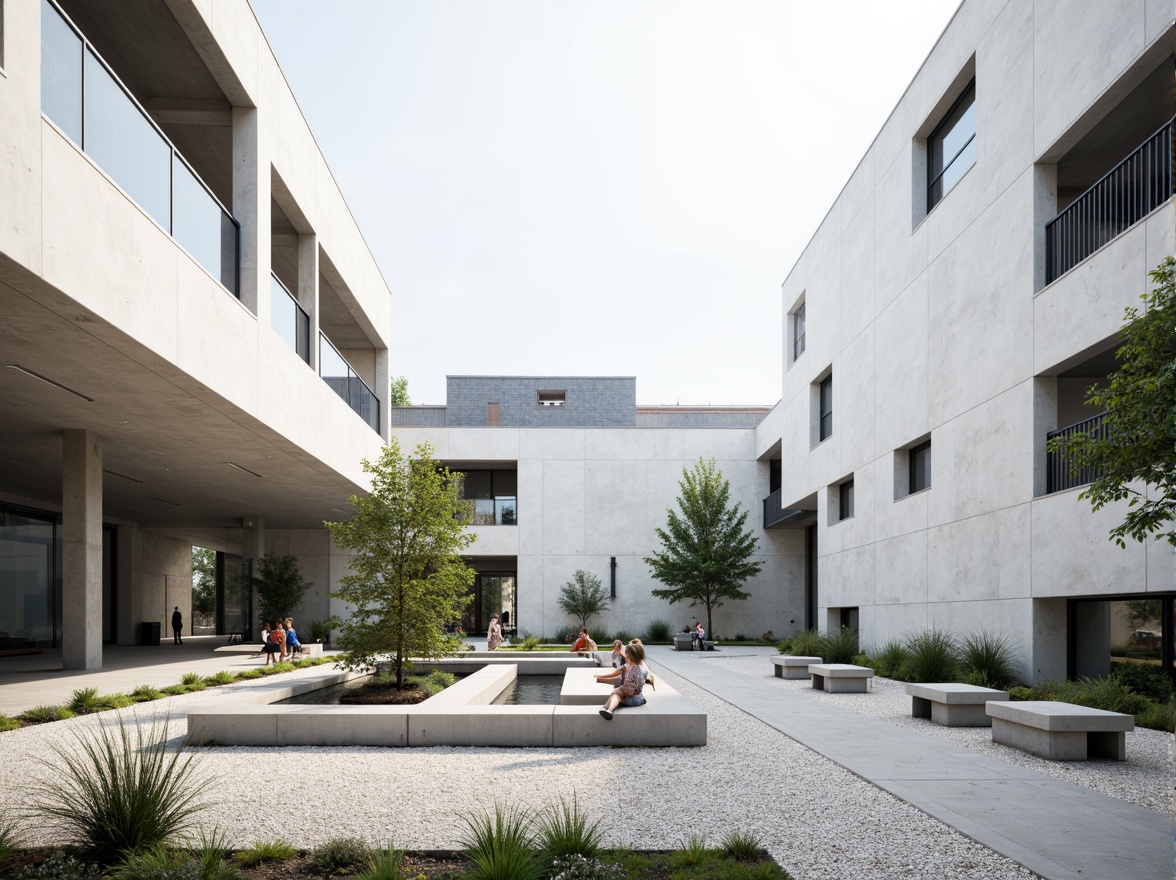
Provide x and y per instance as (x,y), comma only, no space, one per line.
(398,393)
(116,792)
(890,660)
(622,636)
(806,644)
(1158,716)
(280,586)
(176,690)
(116,701)
(247,674)
(9,840)
(84,701)
(1107,693)
(583,597)
(564,830)
(7,722)
(222,677)
(1151,681)
(266,851)
(383,864)
(502,846)
(744,847)
(42,714)
(344,855)
(409,577)
(1141,613)
(146,692)
(706,550)
(530,643)
(320,628)
(212,854)
(191,678)
(203,586)
(579,867)
(839,647)
(157,862)
(988,659)
(693,853)
(59,865)
(659,630)
(934,657)
(1138,445)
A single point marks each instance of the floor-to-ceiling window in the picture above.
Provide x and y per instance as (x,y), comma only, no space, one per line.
(30,614)
(492,593)
(1109,633)
(234,595)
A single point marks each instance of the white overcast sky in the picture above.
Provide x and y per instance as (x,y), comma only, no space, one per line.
(595,187)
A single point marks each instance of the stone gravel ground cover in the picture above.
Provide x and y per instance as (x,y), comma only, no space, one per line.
(1145,778)
(819,821)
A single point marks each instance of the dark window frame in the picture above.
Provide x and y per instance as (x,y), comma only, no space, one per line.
(935,176)
(919,470)
(825,409)
(798,331)
(845,500)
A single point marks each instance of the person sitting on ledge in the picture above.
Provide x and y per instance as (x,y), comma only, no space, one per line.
(628,692)
(615,677)
(585,647)
(618,655)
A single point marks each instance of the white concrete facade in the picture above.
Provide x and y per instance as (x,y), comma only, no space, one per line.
(939,325)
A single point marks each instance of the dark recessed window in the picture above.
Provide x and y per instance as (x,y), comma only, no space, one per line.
(553,398)
(798,332)
(845,500)
(920,464)
(951,149)
(826,408)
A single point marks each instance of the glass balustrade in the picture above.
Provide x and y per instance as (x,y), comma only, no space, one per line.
(86,101)
(345,382)
(288,319)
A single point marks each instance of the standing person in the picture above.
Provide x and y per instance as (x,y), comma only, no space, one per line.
(272,645)
(279,636)
(628,692)
(493,634)
(292,643)
(177,627)
(699,635)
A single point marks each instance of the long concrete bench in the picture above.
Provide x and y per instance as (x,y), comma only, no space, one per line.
(840,678)
(312,649)
(953,705)
(1060,731)
(792,666)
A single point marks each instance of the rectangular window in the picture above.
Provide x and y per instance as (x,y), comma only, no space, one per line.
(920,467)
(798,332)
(845,500)
(826,408)
(951,148)
(553,398)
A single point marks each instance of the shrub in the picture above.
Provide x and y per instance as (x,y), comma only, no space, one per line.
(1102,693)
(115,701)
(145,692)
(284,666)
(383,864)
(193,680)
(564,830)
(43,714)
(934,657)
(344,855)
(437,681)
(212,853)
(659,631)
(248,674)
(221,677)
(530,643)
(7,722)
(157,862)
(741,847)
(270,670)
(623,636)
(84,700)
(890,661)
(502,846)
(988,659)
(59,866)
(266,851)
(692,854)
(176,690)
(117,792)
(1151,681)
(806,644)
(839,647)
(9,840)
(1159,716)
(578,867)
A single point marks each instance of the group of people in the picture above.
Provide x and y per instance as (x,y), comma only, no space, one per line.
(280,639)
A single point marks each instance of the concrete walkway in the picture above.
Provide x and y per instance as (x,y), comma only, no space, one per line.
(1055,829)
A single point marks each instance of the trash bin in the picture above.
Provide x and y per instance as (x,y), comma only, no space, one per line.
(149,632)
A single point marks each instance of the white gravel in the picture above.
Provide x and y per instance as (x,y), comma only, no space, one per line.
(748,777)
(1145,778)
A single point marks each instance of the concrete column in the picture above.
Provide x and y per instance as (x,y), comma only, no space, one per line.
(252,549)
(308,289)
(81,515)
(251,207)
(383,389)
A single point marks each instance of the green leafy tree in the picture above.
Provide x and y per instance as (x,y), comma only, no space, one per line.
(203,586)
(1137,449)
(408,576)
(280,586)
(583,597)
(706,549)
(399,392)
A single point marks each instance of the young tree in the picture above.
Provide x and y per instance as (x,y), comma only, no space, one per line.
(408,577)
(706,551)
(280,586)
(203,586)
(1138,446)
(398,395)
(583,597)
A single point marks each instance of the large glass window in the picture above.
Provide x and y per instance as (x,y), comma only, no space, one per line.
(289,320)
(495,496)
(28,581)
(1121,636)
(61,73)
(920,467)
(951,149)
(826,428)
(492,593)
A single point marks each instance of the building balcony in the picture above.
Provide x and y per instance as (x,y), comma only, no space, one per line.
(1138,185)
(345,382)
(1060,471)
(777,517)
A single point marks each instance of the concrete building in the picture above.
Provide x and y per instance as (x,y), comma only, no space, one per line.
(963,291)
(194,338)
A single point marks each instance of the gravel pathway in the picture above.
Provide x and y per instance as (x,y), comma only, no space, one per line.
(1145,778)
(818,820)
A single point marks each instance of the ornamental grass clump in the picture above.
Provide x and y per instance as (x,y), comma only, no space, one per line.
(212,852)
(988,660)
(156,862)
(741,846)
(44,714)
(116,792)
(934,657)
(807,643)
(564,830)
(147,692)
(502,845)
(85,700)
(266,851)
(839,647)
(343,855)
(218,678)
(692,854)
(659,631)
(383,864)
(9,840)
(890,660)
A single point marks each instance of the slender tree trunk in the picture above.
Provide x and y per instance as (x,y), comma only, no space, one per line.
(400,641)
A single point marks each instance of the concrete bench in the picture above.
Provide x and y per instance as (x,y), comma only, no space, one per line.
(840,678)
(791,666)
(683,642)
(953,705)
(313,649)
(1060,731)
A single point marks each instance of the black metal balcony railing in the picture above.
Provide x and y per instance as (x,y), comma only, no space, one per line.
(83,97)
(777,517)
(1060,473)
(345,382)
(1125,195)
(288,319)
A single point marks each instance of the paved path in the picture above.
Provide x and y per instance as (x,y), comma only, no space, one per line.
(1056,829)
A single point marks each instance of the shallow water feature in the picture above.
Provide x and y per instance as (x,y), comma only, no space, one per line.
(527,690)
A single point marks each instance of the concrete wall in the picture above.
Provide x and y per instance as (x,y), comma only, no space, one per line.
(160,579)
(938,325)
(589,494)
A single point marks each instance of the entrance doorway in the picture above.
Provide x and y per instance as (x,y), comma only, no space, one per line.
(493,592)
